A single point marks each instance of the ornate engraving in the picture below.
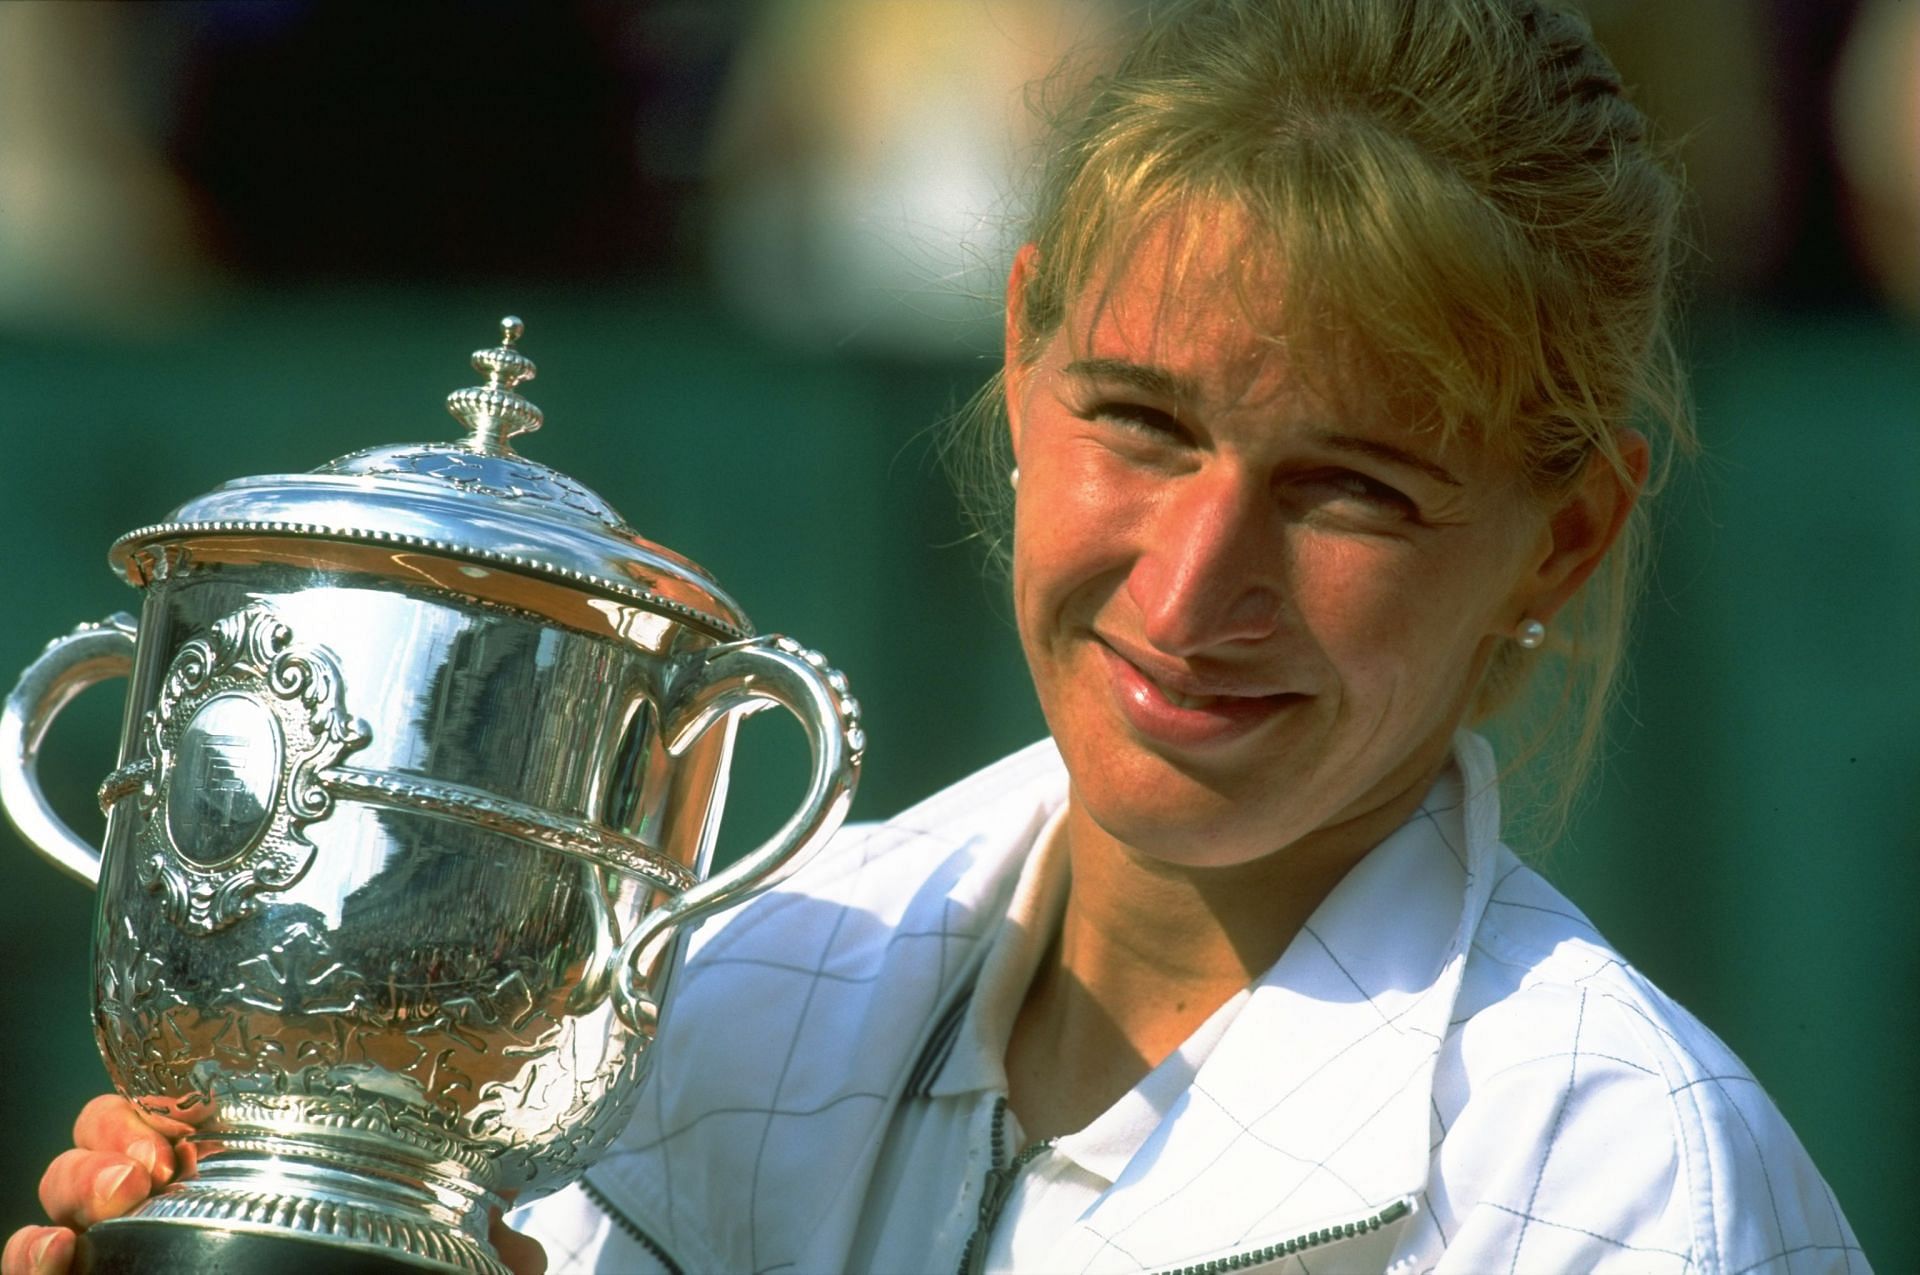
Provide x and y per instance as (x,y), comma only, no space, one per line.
(229,777)
(142,1017)
(299,975)
(344,1221)
(472,1067)
(503,478)
(570,1134)
(350,1127)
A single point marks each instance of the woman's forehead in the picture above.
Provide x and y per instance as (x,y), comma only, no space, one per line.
(1201,294)
(1199,304)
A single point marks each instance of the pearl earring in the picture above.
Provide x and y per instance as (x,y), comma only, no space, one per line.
(1532,635)
(1013,478)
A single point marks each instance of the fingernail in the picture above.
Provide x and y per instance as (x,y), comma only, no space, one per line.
(38,1255)
(146,1153)
(109,1180)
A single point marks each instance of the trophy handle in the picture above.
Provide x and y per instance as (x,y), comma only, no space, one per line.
(746,677)
(91,654)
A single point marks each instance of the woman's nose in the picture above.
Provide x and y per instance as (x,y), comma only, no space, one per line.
(1209,572)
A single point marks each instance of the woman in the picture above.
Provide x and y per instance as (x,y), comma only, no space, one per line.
(1326,369)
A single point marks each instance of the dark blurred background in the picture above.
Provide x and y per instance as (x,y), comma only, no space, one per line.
(757,246)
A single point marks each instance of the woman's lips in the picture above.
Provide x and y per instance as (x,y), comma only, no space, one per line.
(1194,715)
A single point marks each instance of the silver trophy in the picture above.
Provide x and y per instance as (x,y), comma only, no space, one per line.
(423,760)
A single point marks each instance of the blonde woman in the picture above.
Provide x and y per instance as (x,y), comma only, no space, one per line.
(1336,380)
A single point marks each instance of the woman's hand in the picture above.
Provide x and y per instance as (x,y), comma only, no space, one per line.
(120,1156)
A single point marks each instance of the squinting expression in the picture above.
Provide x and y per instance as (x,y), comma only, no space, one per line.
(1251,612)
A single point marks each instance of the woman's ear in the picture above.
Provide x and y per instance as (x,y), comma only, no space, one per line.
(1583,526)
(1013,369)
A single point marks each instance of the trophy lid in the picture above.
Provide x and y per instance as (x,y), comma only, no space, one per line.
(472,500)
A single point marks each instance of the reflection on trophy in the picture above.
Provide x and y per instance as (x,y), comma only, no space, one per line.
(421,770)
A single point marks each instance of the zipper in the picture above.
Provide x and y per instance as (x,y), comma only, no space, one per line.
(628,1225)
(1299,1243)
(996,1189)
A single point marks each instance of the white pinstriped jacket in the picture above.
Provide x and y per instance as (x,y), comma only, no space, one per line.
(1448,1070)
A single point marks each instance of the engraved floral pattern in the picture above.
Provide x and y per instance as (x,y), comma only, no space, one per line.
(137,1013)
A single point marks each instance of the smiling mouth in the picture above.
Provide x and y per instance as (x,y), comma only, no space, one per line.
(1185,690)
(1194,714)
(1223,702)
(1179,700)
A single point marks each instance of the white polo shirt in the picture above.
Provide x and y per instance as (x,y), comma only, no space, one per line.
(1448,1070)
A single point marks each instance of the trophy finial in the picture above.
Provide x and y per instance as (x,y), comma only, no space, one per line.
(494,412)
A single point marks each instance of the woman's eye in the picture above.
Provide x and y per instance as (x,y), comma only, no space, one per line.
(1347,487)
(1138,418)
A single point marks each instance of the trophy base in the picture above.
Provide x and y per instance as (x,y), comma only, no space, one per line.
(135,1247)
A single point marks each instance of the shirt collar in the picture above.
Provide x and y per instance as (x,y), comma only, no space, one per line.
(977,1061)
(1105,1146)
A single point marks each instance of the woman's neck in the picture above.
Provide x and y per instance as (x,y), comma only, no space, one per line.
(1148,950)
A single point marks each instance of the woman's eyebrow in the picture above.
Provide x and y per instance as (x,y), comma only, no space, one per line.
(1161,383)
(1386,451)
(1141,376)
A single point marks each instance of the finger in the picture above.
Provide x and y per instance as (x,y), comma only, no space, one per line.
(83,1187)
(37,1250)
(112,1124)
(522,1253)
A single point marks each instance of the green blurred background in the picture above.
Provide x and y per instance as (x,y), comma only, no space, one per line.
(314,272)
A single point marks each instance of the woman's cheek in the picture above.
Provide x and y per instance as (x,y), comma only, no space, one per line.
(1093,514)
(1352,589)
